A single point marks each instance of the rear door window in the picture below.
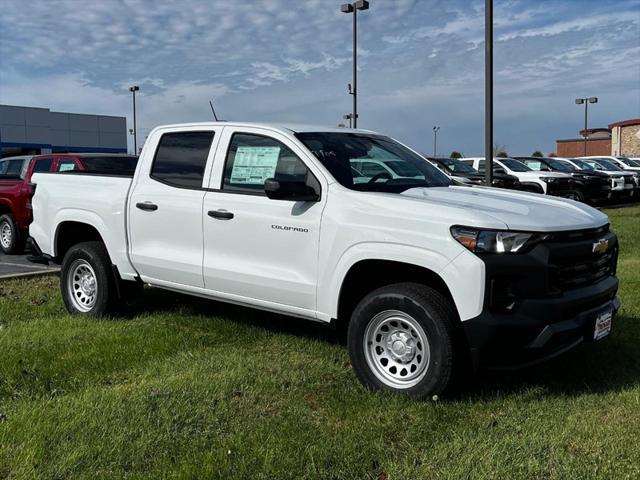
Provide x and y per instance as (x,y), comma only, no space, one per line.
(42,165)
(181,158)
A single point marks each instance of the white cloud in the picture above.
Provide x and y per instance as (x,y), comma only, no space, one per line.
(420,62)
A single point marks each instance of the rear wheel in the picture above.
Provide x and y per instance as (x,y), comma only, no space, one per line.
(87,282)
(401,338)
(11,241)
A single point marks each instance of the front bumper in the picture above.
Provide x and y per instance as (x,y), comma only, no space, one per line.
(540,304)
(541,329)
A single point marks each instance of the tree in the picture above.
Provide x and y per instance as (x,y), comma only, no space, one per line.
(537,153)
(500,149)
(456,154)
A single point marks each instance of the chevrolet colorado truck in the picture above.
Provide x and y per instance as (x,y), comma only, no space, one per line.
(429,277)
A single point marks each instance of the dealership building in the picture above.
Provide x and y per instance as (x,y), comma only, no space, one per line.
(34,130)
(618,139)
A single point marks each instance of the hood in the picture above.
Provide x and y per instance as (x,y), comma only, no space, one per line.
(536,176)
(517,210)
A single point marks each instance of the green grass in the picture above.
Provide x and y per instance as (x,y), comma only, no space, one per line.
(185,388)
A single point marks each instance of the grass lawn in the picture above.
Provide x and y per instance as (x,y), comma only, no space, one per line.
(186,388)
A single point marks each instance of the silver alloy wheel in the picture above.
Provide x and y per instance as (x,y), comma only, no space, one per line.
(5,234)
(82,285)
(396,349)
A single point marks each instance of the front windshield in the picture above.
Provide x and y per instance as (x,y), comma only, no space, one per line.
(628,162)
(373,163)
(514,165)
(456,166)
(560,165)
(607,164)
(583,165)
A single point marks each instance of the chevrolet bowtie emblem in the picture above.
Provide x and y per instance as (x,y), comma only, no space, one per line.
(601,246)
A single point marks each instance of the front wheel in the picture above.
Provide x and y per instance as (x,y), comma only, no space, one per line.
(86,281)
(402,338)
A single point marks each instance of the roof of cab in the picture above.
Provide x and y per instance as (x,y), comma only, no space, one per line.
(287,127)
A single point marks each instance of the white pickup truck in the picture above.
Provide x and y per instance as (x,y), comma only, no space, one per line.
(430,277)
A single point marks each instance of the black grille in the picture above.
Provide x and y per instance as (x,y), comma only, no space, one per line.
(628,180)
(574,273)
(575,259)
(580,235)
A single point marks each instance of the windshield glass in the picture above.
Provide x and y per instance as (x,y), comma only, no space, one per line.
(560,165)
(607,164)
(456,166)
(371,163)
(628,162)
(514,165)
(12,168)
(582,164)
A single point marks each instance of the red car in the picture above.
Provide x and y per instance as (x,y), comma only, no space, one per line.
(16,188)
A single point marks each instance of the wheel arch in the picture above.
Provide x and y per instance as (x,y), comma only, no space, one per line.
(365,276)
(70,233)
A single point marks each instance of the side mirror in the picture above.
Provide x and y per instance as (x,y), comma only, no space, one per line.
(290,190)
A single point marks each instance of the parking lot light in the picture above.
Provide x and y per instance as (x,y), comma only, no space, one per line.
(435,141)
(133,89)
(353,88)
(586,101)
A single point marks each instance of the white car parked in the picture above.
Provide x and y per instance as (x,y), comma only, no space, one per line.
(429,277)
(621,162)
(549,183)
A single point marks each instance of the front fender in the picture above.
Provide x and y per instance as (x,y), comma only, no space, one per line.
(333,276)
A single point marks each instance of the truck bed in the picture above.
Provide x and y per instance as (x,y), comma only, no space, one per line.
(98,199)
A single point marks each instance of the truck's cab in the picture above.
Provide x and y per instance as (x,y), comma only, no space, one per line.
(428,275)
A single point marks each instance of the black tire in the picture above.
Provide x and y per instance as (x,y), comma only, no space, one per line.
(436,317)
(15,243)
(105,300)
(579,196)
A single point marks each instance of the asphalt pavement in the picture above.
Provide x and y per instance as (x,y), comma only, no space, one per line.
(18,266)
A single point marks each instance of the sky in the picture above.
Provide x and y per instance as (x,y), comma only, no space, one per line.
(421,64)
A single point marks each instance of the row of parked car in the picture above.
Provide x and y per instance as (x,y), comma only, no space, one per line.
(592,180)
(16,188)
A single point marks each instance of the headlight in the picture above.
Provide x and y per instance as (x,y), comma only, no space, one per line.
(548,179)
(495,241)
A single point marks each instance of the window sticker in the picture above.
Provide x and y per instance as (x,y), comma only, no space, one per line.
(253,165)
(65,167)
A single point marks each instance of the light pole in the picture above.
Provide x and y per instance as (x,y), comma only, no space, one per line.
(488,92)
(133,89)
(350,118)
(586,101)
(435,141)
(353,88)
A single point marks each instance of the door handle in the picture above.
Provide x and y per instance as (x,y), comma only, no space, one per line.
(220,214)
(149,207)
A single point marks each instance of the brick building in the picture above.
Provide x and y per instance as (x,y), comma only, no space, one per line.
(598,143)
(625,138)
